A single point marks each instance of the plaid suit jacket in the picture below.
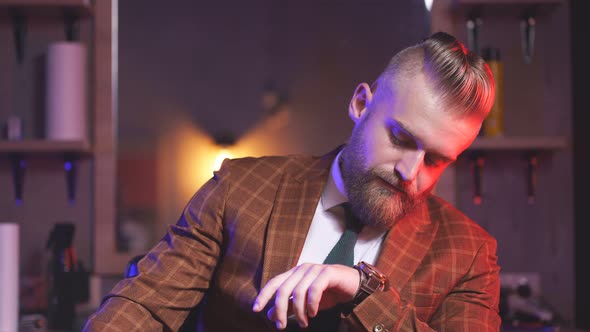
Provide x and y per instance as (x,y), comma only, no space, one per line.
(249,223)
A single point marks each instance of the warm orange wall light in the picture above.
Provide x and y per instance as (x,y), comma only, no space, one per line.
(188,156)
(224,153)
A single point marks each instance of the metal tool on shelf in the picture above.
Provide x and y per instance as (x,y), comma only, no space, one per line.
(473,24)
(71,167)
(19,22)
(527,37)
(478,162)
(531,178)
(19,166)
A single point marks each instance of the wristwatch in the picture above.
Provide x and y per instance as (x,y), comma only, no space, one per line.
(371,281)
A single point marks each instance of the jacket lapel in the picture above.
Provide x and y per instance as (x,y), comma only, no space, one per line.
(292,213)
(405,246)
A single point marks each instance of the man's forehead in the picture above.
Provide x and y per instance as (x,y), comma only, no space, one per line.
(431,122)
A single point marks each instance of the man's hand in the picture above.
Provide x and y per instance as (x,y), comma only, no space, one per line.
(306,289)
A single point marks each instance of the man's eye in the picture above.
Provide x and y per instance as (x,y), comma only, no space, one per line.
(398,139)
(429,161)
(434,161)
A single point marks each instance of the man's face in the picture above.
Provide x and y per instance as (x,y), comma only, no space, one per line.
(402,141)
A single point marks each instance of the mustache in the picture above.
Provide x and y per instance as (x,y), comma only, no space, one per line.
(394,181)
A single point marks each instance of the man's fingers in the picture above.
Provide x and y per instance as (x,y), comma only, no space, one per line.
(269,290)
(300,299)
(284,294)
(272,316)
(303,291)
(315,292)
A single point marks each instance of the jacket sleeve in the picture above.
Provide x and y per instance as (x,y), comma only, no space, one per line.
(175,274)
(472,304)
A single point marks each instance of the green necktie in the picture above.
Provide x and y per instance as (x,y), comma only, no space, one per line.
(343,250)
(341,253)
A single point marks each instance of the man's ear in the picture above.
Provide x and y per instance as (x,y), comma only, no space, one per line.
(363,95)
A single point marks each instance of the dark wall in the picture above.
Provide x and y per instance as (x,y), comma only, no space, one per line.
(211,61)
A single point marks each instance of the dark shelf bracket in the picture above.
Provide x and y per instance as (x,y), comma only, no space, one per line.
(477,164)
(473,25)
(19,166)
(71,26)
(527,36)
(71,171)
(532,162)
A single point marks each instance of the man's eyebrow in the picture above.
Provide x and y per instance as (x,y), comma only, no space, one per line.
(408,132)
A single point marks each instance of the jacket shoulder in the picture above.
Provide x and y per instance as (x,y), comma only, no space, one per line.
(454,224)
(295,165)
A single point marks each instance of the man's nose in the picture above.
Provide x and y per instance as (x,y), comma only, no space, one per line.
(410,163)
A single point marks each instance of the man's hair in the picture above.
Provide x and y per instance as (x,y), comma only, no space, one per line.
(459,77)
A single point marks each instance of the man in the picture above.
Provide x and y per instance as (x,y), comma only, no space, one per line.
(253,248)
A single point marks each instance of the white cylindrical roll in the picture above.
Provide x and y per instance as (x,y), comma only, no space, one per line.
(66,91)
(9,285)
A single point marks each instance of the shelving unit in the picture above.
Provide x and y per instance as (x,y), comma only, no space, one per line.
(32,147)
(45,8)
(40,4)
(540,143)
(97,153)
(504,7)
(452,16)
(520,187)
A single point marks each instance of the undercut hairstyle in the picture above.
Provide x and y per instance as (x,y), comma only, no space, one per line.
(460,78)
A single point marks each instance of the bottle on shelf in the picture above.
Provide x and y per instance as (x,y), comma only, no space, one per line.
(493,125)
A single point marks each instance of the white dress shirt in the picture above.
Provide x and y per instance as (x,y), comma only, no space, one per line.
(328,224)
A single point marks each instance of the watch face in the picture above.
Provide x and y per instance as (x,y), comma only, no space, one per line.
(371,270)
(374,275)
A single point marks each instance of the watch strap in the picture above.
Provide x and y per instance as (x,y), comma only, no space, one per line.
(363,292)
(371,280)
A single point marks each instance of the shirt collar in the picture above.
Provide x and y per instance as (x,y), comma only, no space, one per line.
(334,192)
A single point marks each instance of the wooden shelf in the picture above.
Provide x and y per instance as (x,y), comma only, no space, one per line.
(540,143)
(504,7)
(508,2)
(45,147)
(45,8)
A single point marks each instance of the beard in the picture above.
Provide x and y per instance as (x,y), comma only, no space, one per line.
(378,197)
